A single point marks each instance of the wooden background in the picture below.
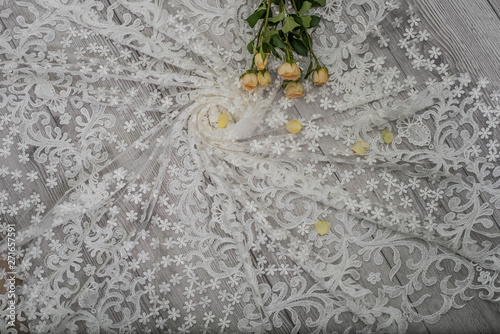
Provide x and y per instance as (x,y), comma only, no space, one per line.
(469,34)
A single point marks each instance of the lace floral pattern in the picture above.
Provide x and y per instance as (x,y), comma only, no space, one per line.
(136,213)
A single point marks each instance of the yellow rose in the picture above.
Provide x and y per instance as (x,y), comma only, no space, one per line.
(294,89)
(320,76)
(259,62)
(264,79)
(249,81)
(289,71)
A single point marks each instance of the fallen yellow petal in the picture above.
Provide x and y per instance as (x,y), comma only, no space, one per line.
(388,136)
(322,227)
(360,147)
(293,126)
(223,119)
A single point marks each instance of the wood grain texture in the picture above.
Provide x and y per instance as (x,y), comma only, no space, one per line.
(467,48)
(469,33)
(495,5)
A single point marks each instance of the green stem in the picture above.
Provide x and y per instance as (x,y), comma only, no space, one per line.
(315,59)
(294,6)
(283,7)
(265,22)
(259,40)
(287,50)
(311,49)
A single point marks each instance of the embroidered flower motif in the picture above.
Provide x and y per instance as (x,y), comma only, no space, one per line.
(373,278)
(484,277)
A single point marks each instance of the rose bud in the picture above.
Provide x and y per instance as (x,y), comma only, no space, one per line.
(249,81)
(289,71)
(294,89)
(320,76)
(259,62)
(264,79)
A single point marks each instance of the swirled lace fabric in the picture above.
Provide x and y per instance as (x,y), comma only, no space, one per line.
(136,213)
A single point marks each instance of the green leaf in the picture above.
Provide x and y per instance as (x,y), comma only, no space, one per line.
(298,45)
(305,7)
(289,24)
(268,34)
(277,18)
(250,47)
(277,42)
(305,37)
(269,48)
(266,48)
(314,21)
(255,17)
(306,21)
(298,3)
(274,52)
(318,3)
(273,32)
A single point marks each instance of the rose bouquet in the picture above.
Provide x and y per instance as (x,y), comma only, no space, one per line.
(284,32)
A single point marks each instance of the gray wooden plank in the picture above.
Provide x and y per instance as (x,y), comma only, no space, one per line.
(468,30)
(469,38)
(482,325)
(495,5)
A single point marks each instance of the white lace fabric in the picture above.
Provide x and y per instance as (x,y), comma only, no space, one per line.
(136,213)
